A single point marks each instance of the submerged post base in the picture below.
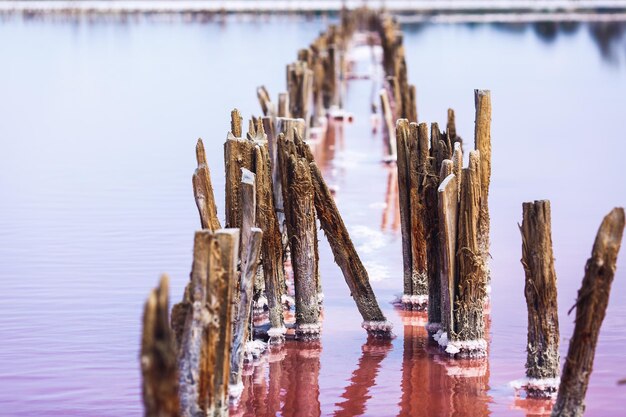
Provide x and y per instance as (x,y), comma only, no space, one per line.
(415,302)
(379,329)
(276,336)
(308,332)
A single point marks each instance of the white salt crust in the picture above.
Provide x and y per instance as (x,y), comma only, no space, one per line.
(549,386)
(260,304)
(433,327)
(320,297)
(253,350)
(378,329)
(308,328)
(277,331)
(234,393)
(467,348)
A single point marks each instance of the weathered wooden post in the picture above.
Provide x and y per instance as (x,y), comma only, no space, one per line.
(388,131)
(283,105)
(542,360)
(198,341)
(159,369)
(448,220)
(238,154)
(374,322)
(457,165)
(418,159)
(220,298)
(402,144)
(298,200)
(265,101)
(593,299)
(469,326)
(203,191)
(482,143)
(272,249)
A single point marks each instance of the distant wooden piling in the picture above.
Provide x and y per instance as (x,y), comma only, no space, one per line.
(267,107)
(203,191)
(272,250)
(593,299)
(298,197)
(451,125)
(469,326)
(159,368)
(389,130)
(482,143)
(374,322)
(402,144)
(236,122)
(542,360)
(283,105)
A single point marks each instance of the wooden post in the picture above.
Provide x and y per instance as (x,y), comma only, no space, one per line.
(542,360)
(418,159)
(593,298)
(220,297)
(457,165)
(265,101)
(242,321)
(158,356)
(203,191)
(374,322)
(482,143)
(389,131)
(448,219)
(469,325)
(283,105)
(412,110)
(272,250)
(451,125)
(197,350)
(235,123)
(301,228)
(402,143)
(238,154)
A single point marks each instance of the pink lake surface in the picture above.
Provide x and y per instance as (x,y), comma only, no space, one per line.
(98,122)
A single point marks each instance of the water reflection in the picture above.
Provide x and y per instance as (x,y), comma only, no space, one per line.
(609,37)
(432,384)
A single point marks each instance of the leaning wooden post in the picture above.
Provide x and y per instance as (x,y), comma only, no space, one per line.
(374,322)
(482,143)
(469,325)
(272,249)
(542,360)
(241,330)
(203,191)
(402,141)
(301,228)
(447,194)
(593,298)
(220,297)
(159,368)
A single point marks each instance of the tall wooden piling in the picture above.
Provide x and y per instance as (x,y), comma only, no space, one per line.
(482,143)
(593,299)
(238,154)
(374,321)
(203,191)
(198,342)
(542,360)
(272,250)
(448,220)
(159,368)
(298,198)
(469,326)
(389,131)
(402,144)
(221,297)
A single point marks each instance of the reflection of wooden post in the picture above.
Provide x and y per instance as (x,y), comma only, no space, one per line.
(203,191)
(343,250)
(272,249)
(482,139)
(448,219)
(158,356)
(542,360)
(468,336)
(593,298)
(301,228)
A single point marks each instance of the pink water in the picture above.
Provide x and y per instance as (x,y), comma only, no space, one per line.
(97,129)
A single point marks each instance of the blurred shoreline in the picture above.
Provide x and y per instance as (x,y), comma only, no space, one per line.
(440,11)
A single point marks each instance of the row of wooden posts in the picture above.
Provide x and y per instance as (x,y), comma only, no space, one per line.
(276,195)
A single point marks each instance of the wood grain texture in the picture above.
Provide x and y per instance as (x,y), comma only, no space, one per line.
(203,191)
